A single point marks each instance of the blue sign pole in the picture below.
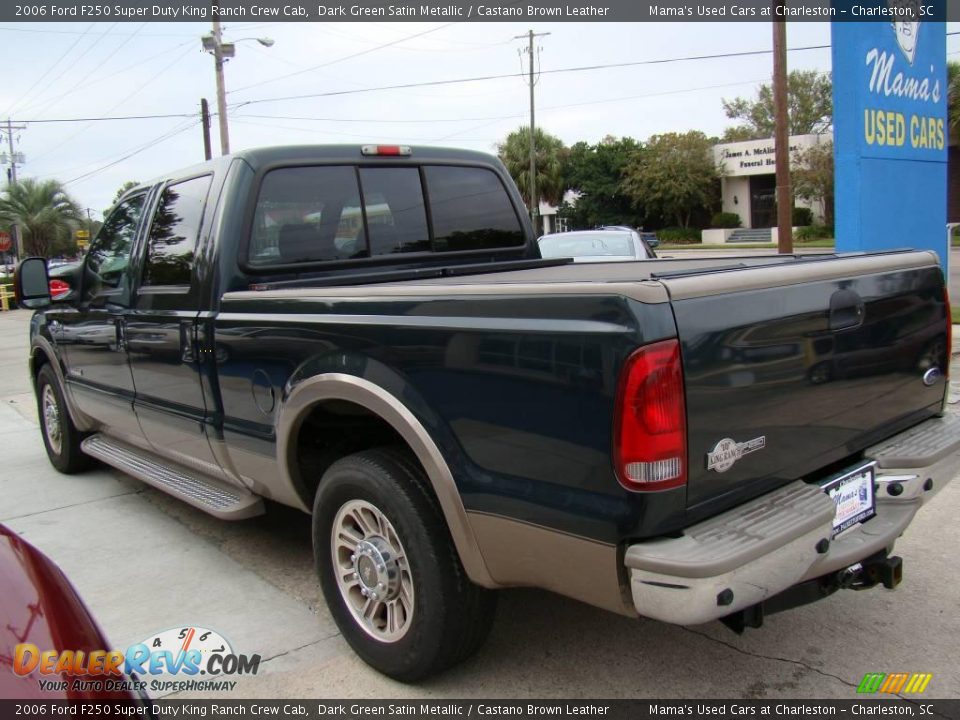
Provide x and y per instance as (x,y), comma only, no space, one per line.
(890,132)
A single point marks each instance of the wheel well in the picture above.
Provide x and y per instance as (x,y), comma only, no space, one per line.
(37,360)
(333,429)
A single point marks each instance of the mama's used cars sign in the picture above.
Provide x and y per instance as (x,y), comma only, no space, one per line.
(890,128)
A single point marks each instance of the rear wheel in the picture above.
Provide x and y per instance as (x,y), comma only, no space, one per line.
(60,436)
(389,570)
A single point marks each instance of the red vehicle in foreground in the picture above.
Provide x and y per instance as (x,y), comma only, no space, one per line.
(39,606)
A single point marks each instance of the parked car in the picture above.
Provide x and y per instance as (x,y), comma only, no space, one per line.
(601,245)
(39,607)
(649,237)
(64,281)
(460,414)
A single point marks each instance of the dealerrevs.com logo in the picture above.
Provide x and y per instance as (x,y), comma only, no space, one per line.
(187,658)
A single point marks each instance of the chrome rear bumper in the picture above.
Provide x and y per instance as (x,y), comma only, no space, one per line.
(757,550)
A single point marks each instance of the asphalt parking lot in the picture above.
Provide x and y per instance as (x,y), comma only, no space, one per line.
(145,562)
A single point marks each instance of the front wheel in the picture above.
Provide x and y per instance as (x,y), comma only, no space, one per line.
(389,570)
(60,436)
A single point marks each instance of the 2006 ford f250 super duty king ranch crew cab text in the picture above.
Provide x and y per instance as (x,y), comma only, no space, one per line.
(369,334)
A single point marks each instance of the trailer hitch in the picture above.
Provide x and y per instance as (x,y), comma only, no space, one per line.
(878,569)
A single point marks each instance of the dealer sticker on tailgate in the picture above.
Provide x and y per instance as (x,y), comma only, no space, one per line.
(852,493)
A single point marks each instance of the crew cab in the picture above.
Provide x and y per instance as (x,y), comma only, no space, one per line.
(369,334)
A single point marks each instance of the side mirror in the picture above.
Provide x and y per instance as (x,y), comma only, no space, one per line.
(31,284)
(653,242)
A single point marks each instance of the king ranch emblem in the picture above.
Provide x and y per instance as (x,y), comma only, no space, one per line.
(727,451)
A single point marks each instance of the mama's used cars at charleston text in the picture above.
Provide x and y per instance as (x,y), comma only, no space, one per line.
(370,334)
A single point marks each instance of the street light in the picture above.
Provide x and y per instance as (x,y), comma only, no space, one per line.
(213,44)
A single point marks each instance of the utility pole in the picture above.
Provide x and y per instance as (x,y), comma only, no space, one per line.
(534,201)
(14,158)
(205,121)
(221,90)
(13,155)
(213,44)
(782,132)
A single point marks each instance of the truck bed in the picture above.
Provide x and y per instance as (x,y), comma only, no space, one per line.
(765,355)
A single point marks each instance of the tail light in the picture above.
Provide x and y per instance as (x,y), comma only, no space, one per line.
(58,288)
(651,420)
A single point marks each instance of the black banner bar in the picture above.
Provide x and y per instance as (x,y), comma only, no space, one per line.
(320,709)
(487,11)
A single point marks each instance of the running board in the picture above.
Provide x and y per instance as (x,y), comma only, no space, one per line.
(212,496)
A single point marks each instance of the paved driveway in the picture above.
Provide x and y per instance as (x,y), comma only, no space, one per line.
(145,562)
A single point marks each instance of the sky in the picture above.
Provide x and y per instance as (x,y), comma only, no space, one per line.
(59,71)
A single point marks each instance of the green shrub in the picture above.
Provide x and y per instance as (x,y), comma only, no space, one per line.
(678,235)
(814,232)
(802,217)
(725,220)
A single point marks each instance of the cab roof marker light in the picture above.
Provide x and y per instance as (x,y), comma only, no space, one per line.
(395,150)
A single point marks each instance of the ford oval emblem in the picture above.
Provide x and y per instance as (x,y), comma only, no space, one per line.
(931,376)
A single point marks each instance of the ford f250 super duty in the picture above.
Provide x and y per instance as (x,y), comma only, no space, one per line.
(370,335)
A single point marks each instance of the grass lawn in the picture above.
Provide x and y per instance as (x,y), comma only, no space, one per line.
(955,313)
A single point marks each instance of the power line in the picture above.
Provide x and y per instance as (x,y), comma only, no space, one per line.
(405,138)
(138,89)
(42,105)
(439,82)
(459,46)
(39,121)
(249,119)
(77,32)
(146,146)
(482,78)
(128,68)
(48,70)
(341,59)
(114,117)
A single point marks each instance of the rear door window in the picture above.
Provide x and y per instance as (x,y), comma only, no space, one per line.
(471,209)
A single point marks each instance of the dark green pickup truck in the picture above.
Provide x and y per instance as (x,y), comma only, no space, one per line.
(369,334)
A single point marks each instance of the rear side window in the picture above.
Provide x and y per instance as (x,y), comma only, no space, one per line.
(471,209)
(325,213)
(308,214)
(172,243)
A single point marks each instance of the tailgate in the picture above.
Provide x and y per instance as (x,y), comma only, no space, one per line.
(793,367)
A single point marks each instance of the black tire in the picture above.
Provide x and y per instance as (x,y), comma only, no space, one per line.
(451,617)
(63,449)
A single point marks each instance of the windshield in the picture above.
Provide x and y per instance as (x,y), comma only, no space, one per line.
(605,243)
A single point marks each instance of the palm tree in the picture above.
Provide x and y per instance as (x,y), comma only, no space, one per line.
(45,213)
(953,95)
(514,151)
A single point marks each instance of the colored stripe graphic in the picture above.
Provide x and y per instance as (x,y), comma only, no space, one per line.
(871,682)
(918,682)
(894,683)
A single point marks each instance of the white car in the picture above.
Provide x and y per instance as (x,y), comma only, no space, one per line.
(595,246)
